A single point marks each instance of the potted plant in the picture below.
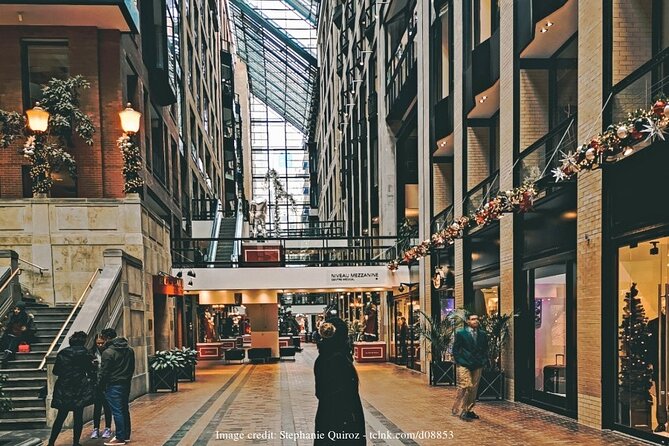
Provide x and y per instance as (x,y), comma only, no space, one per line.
(164,367)
(189,357)
(496,327)
(439,333)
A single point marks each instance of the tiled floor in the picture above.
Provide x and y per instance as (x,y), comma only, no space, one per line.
(258,402)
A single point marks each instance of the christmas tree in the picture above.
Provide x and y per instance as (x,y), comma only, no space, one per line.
(635,371)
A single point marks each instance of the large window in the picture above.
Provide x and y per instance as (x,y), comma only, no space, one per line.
(42,61)
(643,287)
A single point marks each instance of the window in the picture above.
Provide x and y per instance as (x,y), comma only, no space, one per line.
(157,145)
(643,286)
(42,61)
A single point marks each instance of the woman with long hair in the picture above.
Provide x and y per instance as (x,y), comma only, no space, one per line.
(339,418)
(100,399)
(75,386)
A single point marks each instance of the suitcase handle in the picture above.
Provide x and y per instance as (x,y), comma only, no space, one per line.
(559,355)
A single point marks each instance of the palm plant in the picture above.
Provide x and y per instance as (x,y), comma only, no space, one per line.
(496,327)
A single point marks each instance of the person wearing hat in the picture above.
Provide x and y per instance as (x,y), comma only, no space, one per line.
(19,329)
(339,418)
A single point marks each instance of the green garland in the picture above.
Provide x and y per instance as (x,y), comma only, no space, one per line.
(132,164)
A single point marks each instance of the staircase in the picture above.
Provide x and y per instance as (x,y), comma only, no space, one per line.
(225,247)
(24,381)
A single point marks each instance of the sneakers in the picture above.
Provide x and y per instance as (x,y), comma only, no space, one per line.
(114,442)
(96,434)
(107,433)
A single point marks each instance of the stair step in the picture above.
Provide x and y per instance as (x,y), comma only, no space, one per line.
(23,391)
(20,381)
(23,373)
(49,310)
(51,325)
(28,401)
(51,317)
(22,423)
(32,355)
(23,413)
(21,363)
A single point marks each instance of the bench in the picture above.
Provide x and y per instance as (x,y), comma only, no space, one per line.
(235,354)
(259,354)
(287,352)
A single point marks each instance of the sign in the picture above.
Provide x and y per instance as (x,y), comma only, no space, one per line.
(171,286)
(353,278)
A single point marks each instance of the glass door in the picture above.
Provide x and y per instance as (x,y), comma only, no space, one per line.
(643,288)
(550,305)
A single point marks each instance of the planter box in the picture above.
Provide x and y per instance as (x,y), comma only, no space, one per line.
(165,379)
(187,373)
(369,351)
(491,386)
(442,373)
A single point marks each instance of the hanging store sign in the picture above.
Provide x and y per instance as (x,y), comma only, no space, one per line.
(171,286)
(353,278)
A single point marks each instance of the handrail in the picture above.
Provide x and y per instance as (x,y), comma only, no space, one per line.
(239,231)
(69,318)
(40,268)
(17,271)
(215,230)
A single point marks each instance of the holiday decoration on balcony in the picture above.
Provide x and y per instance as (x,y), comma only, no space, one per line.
(520,199)
(617,140)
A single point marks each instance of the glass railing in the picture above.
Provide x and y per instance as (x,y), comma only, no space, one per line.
(299,229)
(204,209)
(536,161)
(482,192)
(399,71)
(442,219)
(640,89)
(294,252)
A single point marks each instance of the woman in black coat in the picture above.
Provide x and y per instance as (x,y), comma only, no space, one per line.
(75,387)
(339,419)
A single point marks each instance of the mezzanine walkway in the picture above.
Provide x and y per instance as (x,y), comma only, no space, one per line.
(263,400)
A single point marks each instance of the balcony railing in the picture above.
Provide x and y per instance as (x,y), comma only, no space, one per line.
(640,89)
(483,191)
(484,70)
(399,73)
(299,229)
(368,20)
(536,161)
(328,251)
(204,209)
(442,219)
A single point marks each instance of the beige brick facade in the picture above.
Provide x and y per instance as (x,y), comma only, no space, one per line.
(442,186)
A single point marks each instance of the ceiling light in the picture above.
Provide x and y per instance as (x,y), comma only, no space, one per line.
(543,30)
(549,24)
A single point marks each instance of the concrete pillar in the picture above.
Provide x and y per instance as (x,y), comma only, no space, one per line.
(458,151)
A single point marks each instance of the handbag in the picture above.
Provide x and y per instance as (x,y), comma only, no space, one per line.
(24,347)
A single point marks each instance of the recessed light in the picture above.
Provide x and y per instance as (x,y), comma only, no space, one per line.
(543,30)
(549,24)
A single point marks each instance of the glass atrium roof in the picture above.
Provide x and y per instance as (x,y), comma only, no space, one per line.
(277,40)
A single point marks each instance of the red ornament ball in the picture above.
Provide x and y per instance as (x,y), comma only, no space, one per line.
(658,107)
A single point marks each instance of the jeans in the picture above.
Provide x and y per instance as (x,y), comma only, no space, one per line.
(117,397)
(60,419)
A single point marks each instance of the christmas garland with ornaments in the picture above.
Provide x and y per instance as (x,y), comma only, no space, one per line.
(606,147)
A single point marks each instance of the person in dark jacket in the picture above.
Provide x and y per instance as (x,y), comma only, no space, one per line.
(470,351)
(75,386)
(116,372)
(19,328)
(100,399)
(339,418)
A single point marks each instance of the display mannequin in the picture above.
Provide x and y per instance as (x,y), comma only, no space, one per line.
(371,323)
(657,357)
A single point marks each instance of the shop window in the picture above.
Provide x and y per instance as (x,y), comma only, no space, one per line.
(42,61)
(643,286)
(486,297)
(549,284)
(485,20)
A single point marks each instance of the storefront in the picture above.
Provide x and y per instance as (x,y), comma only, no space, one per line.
(443,282)
(174,314)
(482,271)
(403,330)
(546,303)
(636,289)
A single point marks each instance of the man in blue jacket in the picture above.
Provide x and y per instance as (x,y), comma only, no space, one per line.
(470,350)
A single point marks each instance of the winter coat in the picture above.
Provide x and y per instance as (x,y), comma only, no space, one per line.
(118,363)
(339,405)
(470,353)
(75,386)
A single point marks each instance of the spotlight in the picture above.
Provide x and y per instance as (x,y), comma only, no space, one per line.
(190,283)
(180,274)
(401,289)
(654,250)
(549,24)
(543,30)
(191,274)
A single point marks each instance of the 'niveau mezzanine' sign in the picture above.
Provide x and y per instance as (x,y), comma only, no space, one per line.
(353,278)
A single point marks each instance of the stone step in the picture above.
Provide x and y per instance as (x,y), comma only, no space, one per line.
(27,381)
(34,354)
(24,413)
(16,424)
(28,401)
(23,373)
(18,392)
(51,325)
(50,317)
(20,363)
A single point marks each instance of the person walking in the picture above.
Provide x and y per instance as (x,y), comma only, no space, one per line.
(100,399)
(19,328)
(116,372)
(339,418)
(470,351)
(75,386)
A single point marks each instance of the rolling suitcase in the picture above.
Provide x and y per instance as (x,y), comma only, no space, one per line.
(555,376)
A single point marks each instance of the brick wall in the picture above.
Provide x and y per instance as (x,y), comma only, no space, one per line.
(533,106)
(442,186)
(478,155)
(589,224)
(95,55)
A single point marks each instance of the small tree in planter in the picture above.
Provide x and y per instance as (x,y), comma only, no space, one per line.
(496,327)
(189,357)
(439,333)
(165,367)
